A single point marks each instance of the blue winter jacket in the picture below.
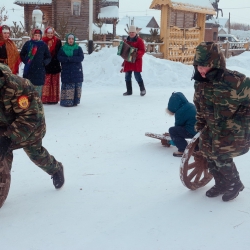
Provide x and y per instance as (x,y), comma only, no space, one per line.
(36,72)
(185,112)
(71,66)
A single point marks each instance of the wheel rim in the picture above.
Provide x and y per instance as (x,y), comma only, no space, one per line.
(193,171)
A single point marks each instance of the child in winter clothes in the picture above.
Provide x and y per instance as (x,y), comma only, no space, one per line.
(185,113)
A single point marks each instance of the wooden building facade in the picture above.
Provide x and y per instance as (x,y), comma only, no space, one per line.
(58,13)
(182,27)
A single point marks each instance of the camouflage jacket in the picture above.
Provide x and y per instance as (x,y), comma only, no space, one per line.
(222,100)
(21,110)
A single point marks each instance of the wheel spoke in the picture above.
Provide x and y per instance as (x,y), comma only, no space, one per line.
(192,165)
(192,174)
(198,176)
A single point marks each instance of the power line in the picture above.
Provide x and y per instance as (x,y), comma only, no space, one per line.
(236,8)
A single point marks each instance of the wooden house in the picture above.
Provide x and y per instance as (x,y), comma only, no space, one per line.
(182,27)
(212,29)
(59,13)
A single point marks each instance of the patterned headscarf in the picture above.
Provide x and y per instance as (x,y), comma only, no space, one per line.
(13,58)
(51,42)
(67,48)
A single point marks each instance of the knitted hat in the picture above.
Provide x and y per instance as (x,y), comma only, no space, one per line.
(37,31)
(132,28)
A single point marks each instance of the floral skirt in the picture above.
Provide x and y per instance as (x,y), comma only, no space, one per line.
(51,89)
(70,94)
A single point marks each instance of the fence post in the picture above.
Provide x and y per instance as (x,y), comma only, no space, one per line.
(226,50)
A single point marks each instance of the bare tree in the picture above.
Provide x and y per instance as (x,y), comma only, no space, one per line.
(3,15)
(62,28)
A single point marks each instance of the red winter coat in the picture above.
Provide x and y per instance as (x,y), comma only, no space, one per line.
(137,65)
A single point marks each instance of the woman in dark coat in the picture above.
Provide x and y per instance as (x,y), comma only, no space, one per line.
(51,88)
(71,56)
(35,55)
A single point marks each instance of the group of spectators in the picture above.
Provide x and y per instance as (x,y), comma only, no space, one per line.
(45,59)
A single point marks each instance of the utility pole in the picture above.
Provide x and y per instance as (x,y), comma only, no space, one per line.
(90,42)
(229,25)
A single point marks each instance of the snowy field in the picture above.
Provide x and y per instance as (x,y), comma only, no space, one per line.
(122,189)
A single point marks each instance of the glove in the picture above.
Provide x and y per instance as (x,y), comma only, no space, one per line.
(4,146)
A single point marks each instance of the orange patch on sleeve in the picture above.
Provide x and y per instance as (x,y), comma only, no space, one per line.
(23,102)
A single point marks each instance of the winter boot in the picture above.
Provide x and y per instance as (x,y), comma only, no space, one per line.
(234,185)
(233,189)
(142,88)
(129,88)
(58,177)
(220,184)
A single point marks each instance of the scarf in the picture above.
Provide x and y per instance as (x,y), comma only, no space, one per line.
(32,50)
(68,49)
(13,58)
(51,42)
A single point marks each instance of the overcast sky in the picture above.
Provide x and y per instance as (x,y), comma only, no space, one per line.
(239,10)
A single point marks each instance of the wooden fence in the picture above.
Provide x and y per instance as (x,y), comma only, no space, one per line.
(229,48)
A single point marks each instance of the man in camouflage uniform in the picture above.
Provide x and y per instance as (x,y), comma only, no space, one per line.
(22,124)
(222,100)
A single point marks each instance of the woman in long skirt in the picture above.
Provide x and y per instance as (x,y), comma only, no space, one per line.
(71,56)
(51,87)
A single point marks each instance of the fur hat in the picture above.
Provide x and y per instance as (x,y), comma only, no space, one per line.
(132,28)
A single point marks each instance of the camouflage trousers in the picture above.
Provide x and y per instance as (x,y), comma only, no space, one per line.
(226,167)
(40,156)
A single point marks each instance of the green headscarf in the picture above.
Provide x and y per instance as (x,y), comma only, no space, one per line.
(68,49)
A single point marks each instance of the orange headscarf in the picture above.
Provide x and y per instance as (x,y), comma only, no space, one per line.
(13,58)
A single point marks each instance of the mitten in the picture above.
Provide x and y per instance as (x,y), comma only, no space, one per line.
(4,146)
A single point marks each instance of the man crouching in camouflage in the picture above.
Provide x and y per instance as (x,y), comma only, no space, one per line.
(22,124)
(222,99)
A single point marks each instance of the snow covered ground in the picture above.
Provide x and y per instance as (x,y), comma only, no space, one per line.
(122,190)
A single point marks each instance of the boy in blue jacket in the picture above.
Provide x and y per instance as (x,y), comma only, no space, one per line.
(185,113)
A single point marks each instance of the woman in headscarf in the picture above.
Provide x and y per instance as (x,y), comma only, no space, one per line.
(71,56)
(8,51)
(51,88)
(35,55)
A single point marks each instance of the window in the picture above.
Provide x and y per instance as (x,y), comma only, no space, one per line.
(76,7)
(215,36)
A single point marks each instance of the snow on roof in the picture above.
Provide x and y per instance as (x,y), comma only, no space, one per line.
(139,21)
(39,2)
(201,6)
(222,21)
(105,29)
(109,12)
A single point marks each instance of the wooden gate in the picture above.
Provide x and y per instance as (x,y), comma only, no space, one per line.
(182,44)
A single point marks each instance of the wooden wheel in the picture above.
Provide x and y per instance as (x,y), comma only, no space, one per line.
(193,171)
(4,181)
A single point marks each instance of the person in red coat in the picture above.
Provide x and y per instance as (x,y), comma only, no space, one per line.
(135,41)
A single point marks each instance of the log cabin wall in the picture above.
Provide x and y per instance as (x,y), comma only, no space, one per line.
(28,9)
(80,22)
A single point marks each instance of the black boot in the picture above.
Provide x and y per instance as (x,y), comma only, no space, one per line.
(129,88)
(234,184)
(220,184)
(142,88)
(58,177)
